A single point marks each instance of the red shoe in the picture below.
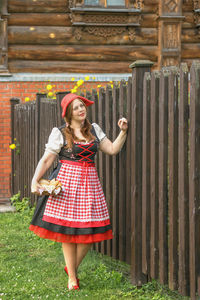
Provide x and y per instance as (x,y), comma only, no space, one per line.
(73,287)
(65,269)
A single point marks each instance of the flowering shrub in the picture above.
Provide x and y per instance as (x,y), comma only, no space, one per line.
(15,146)
(50,90)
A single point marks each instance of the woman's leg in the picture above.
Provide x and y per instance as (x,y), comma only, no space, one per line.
(70,255)
(82,250)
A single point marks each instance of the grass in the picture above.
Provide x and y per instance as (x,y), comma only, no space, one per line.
(32,268)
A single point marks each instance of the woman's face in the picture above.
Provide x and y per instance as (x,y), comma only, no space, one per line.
(78,110)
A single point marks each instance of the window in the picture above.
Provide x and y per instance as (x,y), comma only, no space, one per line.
(115,3)
(104,3)
(91,2)
(105,18)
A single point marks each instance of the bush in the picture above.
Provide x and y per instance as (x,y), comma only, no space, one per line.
(21,205)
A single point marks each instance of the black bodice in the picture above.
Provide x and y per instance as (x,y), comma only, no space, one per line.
(82,152)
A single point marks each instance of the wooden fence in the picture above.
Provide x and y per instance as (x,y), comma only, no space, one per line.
(153,186)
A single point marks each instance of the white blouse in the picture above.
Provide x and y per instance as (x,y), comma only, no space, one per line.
(56,140)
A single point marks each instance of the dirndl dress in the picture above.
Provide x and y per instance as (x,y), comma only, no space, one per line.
(79,213)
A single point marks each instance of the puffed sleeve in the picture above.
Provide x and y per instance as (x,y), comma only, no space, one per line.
(55,141)
(99,132)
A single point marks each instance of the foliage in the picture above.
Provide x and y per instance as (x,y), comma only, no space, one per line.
(32,268)
(15,146)
(20,204)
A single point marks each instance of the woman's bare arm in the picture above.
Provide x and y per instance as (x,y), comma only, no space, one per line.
(43,165)
(108,147)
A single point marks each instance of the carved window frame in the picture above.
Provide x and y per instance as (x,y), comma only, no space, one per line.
(105,21)
(196,6)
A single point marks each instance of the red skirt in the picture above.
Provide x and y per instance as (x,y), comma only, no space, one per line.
(70,238)
(79,213)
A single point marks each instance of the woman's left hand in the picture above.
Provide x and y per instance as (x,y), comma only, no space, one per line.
(123,124)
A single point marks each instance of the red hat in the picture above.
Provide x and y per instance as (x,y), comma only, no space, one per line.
(69,98)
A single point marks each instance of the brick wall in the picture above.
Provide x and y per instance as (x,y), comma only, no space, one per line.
(21,90)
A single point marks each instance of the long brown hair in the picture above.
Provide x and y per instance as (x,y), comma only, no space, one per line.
(69,131)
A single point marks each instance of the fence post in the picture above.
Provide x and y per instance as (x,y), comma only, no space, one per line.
(194,179)
(139,68)
(183,182)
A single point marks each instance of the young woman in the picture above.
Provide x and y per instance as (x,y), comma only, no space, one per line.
(78,216)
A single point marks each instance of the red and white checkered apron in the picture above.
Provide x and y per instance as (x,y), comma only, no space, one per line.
(82,202)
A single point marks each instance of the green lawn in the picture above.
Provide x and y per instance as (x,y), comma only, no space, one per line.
(32,268)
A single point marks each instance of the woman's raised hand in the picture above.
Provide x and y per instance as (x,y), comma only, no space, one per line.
(123,124)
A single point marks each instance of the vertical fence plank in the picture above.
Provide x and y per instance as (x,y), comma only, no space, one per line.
(163,178)
(139,68)
(108,160)
(173,179)
(102,165)
(183,184)
(59,97)
(122,179)
(94,116)
(115,187)
(101,103)
(194,178)
(146,176)
(154,174)
(17,176)
(33,197)
(37,126)
(89,108)
(128,173)
(13,102)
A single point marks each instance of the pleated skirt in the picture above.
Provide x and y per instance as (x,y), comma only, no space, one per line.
(79,214)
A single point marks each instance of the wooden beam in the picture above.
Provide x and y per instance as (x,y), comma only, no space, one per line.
(82,53)
(57,35)
(39,19)
(35,66)
(16,6)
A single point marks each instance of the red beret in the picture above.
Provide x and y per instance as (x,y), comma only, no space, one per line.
(69,98)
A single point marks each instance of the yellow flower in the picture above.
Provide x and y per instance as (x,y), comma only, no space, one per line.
(27,99)
(73,91)
(49,87)
(15,139)
(12,146)
(72,79)
(87,77)
(50,94)
(54,97)
(93,77)
(111,81)
(111,86)
(99,85)
(80,82)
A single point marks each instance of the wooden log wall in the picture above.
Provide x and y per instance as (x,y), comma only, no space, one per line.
(41,38)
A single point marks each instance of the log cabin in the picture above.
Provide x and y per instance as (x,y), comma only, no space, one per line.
(96,36)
